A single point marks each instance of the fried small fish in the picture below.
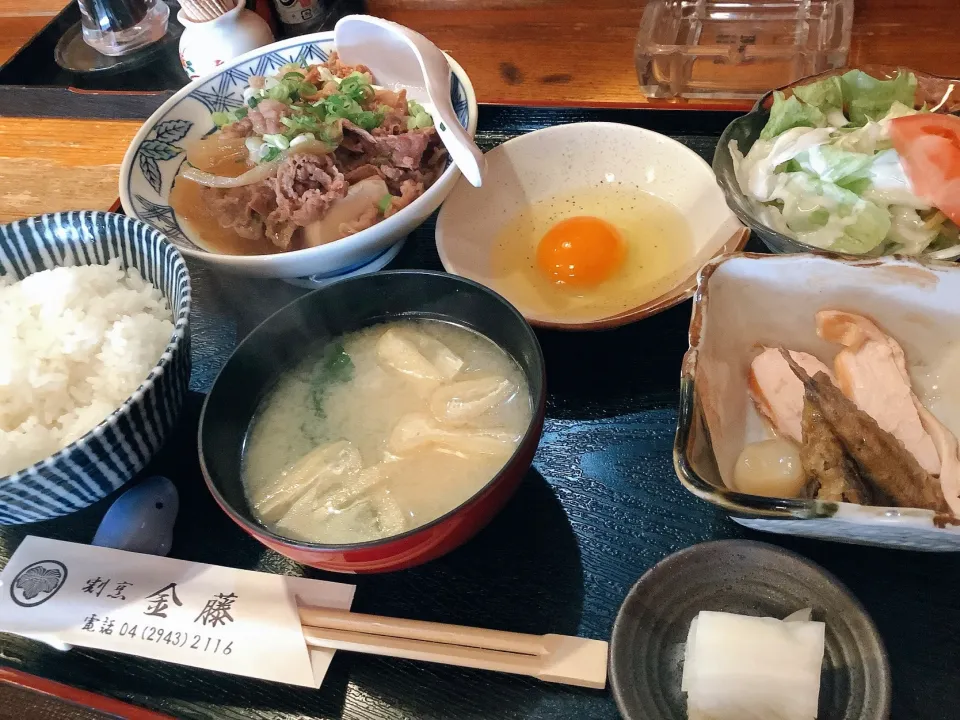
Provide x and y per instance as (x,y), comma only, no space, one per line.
(882,459)
(832,474)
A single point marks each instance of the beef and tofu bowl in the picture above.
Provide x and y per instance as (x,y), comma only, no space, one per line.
(376,423)
(289,163)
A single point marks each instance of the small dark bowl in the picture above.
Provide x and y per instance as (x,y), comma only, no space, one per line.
(343,307)
(748,578)
(932,90)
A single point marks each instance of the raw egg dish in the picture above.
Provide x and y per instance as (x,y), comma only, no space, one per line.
(591,254)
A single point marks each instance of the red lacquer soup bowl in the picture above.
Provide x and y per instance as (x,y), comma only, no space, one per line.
(309,322)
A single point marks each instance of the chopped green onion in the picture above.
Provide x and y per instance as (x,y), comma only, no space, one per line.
(384,204)
(271,154)
(253,101)
(286,91)
(293,75)
(221,118)
(316,110)
(421,120)
(356,87)
(301,122)
(277,140)
(367,120)
(307,89)
(240,113)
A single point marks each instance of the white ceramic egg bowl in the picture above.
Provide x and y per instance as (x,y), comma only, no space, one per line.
(566,158)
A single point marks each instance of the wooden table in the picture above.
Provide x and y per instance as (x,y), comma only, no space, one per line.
(516,51)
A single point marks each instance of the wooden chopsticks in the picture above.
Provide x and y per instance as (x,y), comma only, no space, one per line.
(553,658)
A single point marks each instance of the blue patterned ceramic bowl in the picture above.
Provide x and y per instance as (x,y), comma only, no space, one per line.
(120,446)
(156,154)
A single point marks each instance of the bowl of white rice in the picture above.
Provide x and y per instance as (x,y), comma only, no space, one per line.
(94,357)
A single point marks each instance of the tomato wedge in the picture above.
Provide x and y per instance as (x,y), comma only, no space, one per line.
(929,148)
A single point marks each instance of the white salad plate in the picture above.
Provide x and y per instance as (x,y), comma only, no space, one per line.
(157,152)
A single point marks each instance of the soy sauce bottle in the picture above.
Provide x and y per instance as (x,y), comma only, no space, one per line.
(299,17)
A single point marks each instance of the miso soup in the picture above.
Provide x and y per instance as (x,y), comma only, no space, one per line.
(382,431)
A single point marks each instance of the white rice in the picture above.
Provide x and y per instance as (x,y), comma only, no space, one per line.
(74,344)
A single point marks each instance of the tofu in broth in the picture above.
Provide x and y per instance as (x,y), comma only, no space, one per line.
(383,431)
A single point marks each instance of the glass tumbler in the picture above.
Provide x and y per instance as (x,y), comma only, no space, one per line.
(118,27)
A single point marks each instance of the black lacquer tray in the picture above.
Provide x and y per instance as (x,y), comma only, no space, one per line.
(599,507)
(32,84)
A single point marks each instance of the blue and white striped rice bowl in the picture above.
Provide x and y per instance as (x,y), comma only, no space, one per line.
(156,154)
(123,443)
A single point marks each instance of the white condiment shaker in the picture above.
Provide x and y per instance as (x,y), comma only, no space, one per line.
(207,44)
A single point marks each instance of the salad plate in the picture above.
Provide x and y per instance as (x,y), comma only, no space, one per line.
(839,163)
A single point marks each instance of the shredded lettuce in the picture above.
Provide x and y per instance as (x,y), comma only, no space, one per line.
(828,216)
(826,96)
(835,165)
(908,230)
(787,113)
(867,98)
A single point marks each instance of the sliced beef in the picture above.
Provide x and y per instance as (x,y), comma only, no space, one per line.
(395,119)
(301,192)
(362,172)
(305,187)
(240,129)
(266,116)
(342,70)
(402,151)
(406,150)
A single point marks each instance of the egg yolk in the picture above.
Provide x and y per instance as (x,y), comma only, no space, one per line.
(580,251)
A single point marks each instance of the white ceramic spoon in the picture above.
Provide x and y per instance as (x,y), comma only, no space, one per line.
(400,57)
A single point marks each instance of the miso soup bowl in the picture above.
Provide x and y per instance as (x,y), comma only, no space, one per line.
(305,326)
